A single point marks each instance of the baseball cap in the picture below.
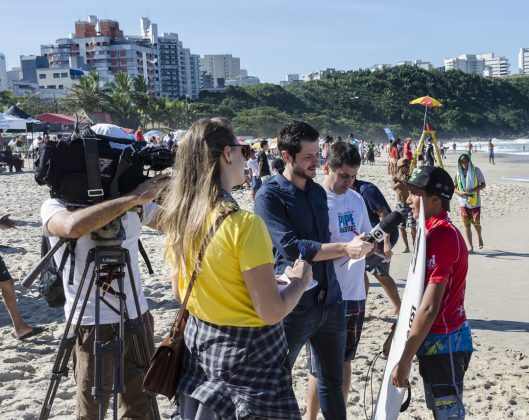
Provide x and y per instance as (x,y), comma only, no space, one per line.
(403,162)
(433,180)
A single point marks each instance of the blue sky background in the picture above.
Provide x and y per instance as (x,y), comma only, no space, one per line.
(276,37)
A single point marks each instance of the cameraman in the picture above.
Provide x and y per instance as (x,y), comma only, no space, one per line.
(133,210)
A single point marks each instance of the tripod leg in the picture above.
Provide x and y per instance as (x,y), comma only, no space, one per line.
(60,366)
(139,343)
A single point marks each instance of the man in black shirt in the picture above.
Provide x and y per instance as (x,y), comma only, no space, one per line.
(262,161)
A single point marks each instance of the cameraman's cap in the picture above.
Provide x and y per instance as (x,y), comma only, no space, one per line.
(403,162)
(434,180)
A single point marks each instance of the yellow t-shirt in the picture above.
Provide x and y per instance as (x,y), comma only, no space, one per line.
(220,296)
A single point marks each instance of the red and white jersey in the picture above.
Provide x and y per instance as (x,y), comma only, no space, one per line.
(447,262)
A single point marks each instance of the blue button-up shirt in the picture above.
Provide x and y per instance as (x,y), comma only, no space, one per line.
(299,219)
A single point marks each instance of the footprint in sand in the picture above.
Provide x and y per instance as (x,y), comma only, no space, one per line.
(16,359)
(11,376)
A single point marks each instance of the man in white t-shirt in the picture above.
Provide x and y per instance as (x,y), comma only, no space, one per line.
(133,210)
(348,218)
(253,168)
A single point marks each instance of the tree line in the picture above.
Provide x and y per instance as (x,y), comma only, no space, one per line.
(360,101)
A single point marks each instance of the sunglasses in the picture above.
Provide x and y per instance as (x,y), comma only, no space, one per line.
(245,150)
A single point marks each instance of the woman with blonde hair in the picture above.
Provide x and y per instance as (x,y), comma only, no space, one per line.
(235,363)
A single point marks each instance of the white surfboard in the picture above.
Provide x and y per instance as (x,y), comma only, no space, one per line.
(390,398)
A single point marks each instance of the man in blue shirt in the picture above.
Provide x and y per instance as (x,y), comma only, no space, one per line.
(295,211)
(378,263)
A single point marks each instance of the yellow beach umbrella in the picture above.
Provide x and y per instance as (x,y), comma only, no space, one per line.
(426,102)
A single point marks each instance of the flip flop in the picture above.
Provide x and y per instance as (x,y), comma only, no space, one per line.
(35,331)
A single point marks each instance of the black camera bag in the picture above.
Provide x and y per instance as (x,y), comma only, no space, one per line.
(62,166)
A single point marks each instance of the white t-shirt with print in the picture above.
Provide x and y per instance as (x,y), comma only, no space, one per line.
(132,225)
(347,215)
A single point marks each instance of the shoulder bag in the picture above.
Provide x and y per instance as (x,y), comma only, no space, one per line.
(165,367)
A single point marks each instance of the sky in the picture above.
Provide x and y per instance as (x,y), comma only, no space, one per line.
(276,37)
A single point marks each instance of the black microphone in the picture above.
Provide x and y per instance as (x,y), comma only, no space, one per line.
(384,228)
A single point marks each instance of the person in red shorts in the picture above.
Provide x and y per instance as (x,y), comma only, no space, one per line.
(440,333)
(469,181)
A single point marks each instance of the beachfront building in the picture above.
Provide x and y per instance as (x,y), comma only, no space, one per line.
(467,63)
(523,61)
(320,74)
(484,64)
(494,66)
(376,67)
(291,79)
(13,76)
(30,64)
(221,67)
(425,65)
(101,45)
(190,74)
(60,79)
(3,72)
(243,81)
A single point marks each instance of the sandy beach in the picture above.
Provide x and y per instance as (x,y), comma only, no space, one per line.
(497,382)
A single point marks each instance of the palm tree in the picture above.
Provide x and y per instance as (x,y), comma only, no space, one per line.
(140,97)
(88,94)
(122,109)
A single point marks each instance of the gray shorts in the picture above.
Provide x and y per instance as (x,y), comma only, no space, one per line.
(407,213)
(377,265)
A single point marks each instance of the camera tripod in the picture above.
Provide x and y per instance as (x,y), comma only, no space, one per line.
(109,260)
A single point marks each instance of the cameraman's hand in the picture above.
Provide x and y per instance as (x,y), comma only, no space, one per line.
(150,190)
(358,248)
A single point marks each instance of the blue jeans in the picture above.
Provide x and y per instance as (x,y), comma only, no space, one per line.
(324,327)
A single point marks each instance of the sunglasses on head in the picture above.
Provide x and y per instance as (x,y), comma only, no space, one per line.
(245,149)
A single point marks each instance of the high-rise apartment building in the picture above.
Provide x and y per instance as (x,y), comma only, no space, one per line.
(179,69)
(222,67)
(3,72)
(523,61)
(101,45)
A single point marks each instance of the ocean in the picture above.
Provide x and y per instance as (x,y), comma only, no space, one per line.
(513,147)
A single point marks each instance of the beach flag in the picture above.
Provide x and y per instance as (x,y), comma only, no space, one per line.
(389,134)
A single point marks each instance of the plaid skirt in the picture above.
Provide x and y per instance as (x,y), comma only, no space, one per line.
(238,372)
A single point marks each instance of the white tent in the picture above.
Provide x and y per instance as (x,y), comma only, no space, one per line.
(7,122)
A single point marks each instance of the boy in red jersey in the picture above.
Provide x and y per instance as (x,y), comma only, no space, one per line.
(440,333)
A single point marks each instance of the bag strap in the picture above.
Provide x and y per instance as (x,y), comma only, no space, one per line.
(145,257)
(93,170)
(125,162)
(182,310)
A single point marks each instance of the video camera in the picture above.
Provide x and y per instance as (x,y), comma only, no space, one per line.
(92,168)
